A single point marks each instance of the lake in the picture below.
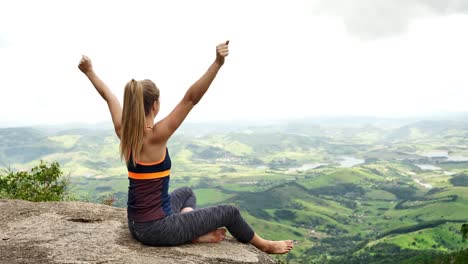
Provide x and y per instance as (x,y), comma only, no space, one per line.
(348,162)
(307,166)
(427,167)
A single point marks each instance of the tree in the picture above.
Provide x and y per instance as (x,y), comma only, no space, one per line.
(42,183)
(464,230)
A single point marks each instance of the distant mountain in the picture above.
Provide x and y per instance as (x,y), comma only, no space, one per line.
(427,129)
(51,129)
(24,144)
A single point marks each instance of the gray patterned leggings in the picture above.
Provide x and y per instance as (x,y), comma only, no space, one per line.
(180,228)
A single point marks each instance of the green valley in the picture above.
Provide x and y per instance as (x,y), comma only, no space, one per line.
(355,190)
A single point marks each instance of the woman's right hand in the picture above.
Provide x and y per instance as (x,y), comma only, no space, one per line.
(222,50)
(85,65)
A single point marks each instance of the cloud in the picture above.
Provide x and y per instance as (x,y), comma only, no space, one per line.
(373,19)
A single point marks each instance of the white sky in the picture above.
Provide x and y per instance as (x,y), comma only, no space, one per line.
(287,59)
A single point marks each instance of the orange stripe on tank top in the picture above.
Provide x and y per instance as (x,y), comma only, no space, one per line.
(147,176)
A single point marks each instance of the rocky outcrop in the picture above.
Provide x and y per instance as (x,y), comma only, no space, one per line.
(78,232)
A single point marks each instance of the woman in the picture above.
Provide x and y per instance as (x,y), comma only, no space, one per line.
(155,217)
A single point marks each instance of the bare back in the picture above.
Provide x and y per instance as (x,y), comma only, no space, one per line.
(154,148)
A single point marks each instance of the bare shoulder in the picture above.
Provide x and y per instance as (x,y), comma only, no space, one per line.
(155,137)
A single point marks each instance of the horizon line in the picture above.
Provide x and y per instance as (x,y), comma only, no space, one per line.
(248,121)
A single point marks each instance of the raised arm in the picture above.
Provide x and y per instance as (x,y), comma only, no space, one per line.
(167,126)
(112,102)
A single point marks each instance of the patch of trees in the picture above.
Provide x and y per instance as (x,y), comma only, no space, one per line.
(460,179)
(285,214)
(413,228)
(402,192)
(464,231)
(44,182)
(260,213)
(459,257)
(423,202)
(435,190)
(339,189)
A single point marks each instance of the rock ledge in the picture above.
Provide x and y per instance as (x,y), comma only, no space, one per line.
(78,232)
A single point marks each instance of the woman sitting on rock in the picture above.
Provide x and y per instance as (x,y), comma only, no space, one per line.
(156,217)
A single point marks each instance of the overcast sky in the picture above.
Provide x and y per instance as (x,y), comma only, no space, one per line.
(287,59)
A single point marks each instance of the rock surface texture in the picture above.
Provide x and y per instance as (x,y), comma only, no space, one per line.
(78,232)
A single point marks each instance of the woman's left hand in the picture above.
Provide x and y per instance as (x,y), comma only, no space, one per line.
(85,65)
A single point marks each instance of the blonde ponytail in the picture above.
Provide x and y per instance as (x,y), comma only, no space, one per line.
(139,97)
(133,121)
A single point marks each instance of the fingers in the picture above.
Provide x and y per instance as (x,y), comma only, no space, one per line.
(85,60)
(223,52)
(223,49)
(224,44)
(85,64)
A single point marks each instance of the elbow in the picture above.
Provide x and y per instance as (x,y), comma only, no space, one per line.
(118,129)
(191,99)
(195,102)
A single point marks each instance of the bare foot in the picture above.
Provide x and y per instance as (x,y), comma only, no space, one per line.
(212,237)
(186,210)
(277,247)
